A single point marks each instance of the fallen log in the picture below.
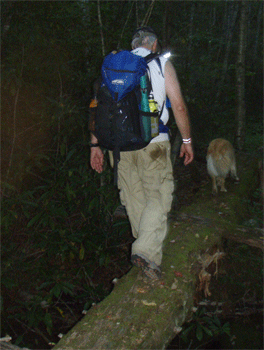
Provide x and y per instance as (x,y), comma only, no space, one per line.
(241,308)
(254,238)
(5,344)
(143,315)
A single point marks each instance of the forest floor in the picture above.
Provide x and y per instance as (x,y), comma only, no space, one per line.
(237,292)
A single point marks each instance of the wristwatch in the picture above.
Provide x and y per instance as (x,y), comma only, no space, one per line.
(94,144)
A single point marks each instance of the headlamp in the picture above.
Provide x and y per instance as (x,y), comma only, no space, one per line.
(166,55)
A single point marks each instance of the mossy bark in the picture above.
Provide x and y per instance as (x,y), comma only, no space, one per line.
(143,315)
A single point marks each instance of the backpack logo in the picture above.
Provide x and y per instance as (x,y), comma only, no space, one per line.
(118,81)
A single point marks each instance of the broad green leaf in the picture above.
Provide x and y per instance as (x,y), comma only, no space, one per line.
(199,332)
(216,321)
(48,322)
(56,290)
(226,328)
(34,219)
(207,331)
(93,203)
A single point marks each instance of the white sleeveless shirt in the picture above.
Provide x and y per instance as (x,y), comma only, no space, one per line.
(158,87)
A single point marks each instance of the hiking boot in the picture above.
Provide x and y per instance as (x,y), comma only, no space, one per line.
(149,269)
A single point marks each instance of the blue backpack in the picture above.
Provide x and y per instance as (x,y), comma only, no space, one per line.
(121,73)
(123,118)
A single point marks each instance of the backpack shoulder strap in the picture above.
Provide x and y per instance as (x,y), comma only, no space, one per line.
(151,56)
(157,60)
(154,56)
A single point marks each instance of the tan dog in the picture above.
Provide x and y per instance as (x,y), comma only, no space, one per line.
(220,161)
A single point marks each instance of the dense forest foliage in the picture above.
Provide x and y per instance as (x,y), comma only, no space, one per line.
(58,232)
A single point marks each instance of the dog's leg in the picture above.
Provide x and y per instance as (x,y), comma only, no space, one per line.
(214,188)
(222,184)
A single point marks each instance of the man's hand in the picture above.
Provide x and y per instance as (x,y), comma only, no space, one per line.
(97,159)
(187,151)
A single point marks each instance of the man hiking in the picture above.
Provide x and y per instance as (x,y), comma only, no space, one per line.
(145,176)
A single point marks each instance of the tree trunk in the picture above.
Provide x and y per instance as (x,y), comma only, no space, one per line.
(229,31)
(165,25)
(6,345)
(148,14)
(101,27)
(240,133)
(191,26)
(257,40)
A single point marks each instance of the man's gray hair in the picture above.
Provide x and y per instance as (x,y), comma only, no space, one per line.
(142,38)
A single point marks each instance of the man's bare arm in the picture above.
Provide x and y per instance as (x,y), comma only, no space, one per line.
(179,109)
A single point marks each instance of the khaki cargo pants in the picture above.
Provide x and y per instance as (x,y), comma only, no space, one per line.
(145,180)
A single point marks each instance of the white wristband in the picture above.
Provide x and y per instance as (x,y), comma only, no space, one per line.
(189,140)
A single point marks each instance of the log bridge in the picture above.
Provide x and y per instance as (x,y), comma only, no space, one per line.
(139,314)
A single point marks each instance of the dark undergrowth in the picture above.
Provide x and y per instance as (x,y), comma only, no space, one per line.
(63,259)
